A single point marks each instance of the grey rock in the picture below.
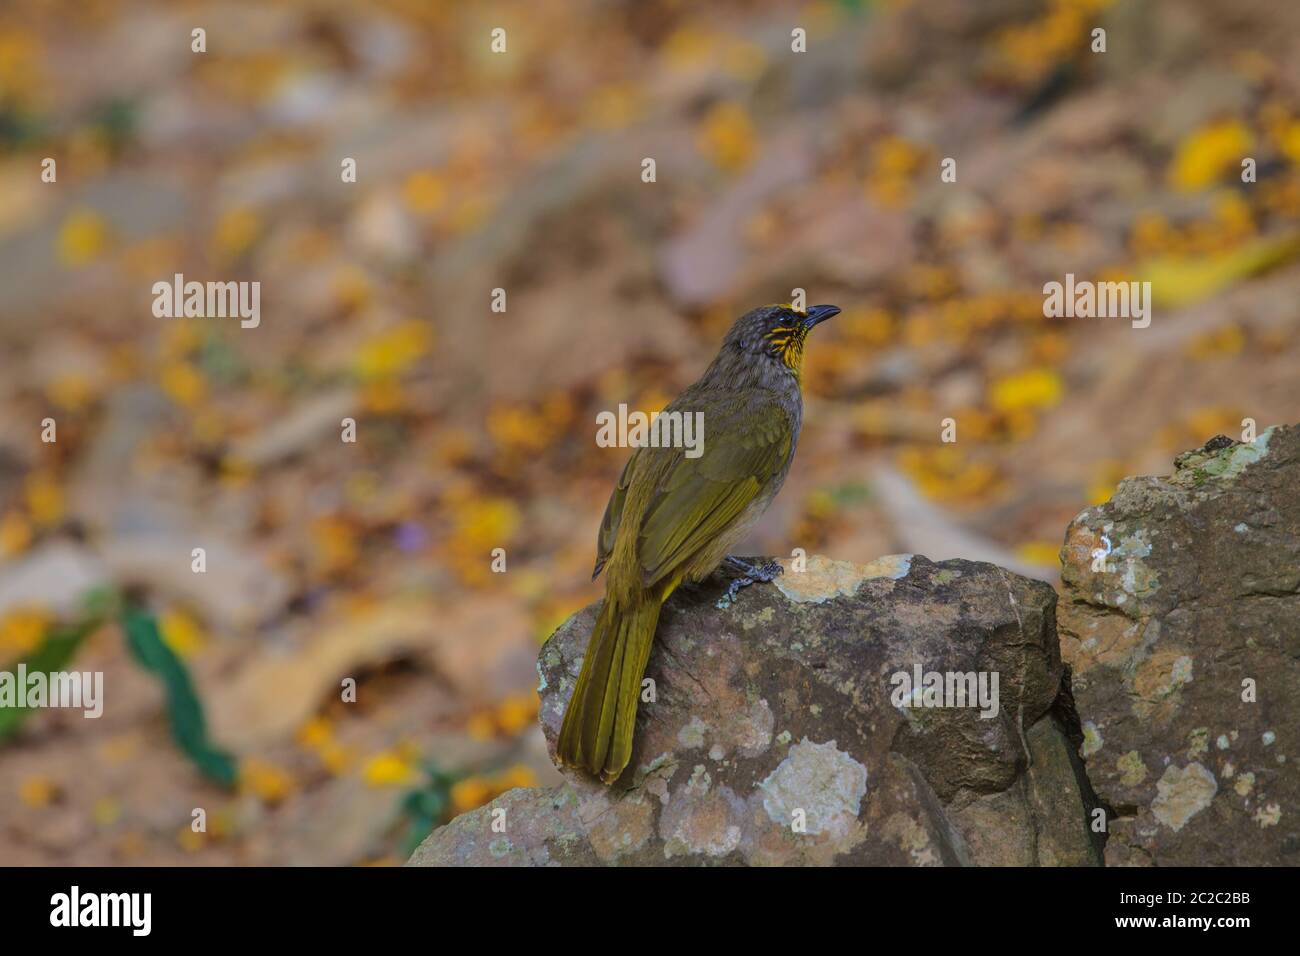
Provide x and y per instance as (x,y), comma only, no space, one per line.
(776,734)
(1181,622)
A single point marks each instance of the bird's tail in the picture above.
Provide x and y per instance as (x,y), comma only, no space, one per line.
(600,718)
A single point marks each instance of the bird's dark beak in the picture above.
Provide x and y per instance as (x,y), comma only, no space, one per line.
(818,314)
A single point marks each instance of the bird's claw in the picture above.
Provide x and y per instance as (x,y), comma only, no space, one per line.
(750,574)
(733,589)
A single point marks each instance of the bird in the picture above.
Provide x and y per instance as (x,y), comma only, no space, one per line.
(673,518)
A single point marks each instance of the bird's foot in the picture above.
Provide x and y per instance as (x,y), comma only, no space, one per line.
(768,571)
(749,574)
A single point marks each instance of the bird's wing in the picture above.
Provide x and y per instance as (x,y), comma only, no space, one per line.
(745,446)
(613,515)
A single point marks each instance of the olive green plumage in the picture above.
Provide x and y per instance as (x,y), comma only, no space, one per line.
(672,518)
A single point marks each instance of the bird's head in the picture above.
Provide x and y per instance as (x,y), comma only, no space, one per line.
(776,333)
